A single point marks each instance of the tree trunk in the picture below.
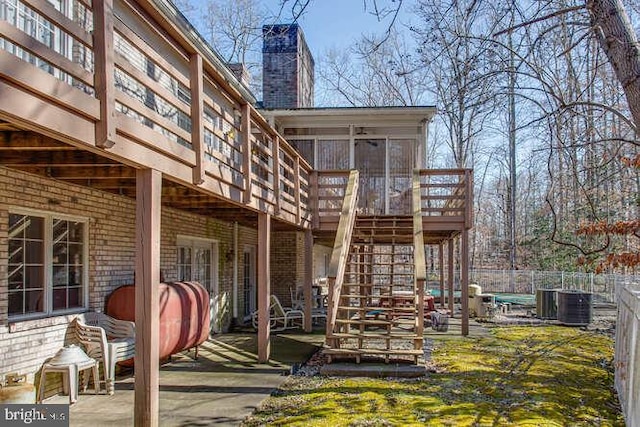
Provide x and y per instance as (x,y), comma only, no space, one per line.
(620,43)
(512,160)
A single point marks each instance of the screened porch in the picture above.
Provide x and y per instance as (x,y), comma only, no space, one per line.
(385,145)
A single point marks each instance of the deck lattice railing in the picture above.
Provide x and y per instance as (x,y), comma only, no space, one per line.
(444,196)
(341,249)
(114,77)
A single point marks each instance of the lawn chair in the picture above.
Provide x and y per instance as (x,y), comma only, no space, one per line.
(317,312)
(107,340)
(297,298)
(280,318)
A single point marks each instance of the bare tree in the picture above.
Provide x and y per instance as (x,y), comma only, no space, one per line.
(567,86)
(374,74)
(235,29)
(457,53)
(619,41)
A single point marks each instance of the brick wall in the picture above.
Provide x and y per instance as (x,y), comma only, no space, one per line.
(287,264)
(27,344)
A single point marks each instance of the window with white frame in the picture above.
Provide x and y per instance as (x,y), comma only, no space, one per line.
(48,260)
(196,261)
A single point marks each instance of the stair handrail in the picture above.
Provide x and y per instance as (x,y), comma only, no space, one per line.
(340,253)
(419,264)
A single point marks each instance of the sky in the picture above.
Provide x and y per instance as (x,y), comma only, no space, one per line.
(326,24)
(336,23)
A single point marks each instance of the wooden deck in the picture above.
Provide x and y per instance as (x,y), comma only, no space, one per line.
(123,96)
(130,87)
(378,268)
(445,198)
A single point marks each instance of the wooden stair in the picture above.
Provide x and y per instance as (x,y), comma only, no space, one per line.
(377,314)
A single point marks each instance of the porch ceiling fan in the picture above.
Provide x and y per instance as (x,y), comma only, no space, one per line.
(371,142)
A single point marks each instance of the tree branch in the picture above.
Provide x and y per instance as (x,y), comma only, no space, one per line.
(541,18)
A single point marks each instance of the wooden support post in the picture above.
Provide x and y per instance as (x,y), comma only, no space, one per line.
(370,250)
(308,279)
(147,278)
(468,212)
(264,286)
(197,112)
(275,154)
(393,260)
(104,82)
(315,199)
(245,129)
(234,290)
(450,265)
(296,184)
(363,280)
(441,268)
(464,281)
(331,342)
(420,311)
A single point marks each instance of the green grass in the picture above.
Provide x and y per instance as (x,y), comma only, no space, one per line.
(519,376)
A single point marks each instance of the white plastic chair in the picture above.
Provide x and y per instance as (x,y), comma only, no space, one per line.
(107,340)
(280,318)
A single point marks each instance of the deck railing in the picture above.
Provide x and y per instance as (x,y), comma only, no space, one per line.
(138,82)
(337,266)
(328,195)
(447,193)
(135,80)
(444,193)
(419,261)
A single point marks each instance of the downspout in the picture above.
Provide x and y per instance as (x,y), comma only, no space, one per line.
(235,270)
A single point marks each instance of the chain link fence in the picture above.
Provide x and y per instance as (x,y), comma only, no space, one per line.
(602,286)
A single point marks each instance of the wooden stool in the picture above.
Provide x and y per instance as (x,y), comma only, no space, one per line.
(70,373)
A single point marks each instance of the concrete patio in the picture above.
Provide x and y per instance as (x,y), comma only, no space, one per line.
(221,387)
(225,384)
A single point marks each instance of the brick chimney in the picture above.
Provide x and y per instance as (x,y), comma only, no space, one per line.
(287,68)
(240,71)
